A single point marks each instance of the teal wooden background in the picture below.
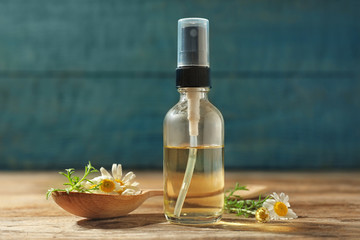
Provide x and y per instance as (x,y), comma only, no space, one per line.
(92,80)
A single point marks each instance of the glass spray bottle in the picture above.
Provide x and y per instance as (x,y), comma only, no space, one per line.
(193,135)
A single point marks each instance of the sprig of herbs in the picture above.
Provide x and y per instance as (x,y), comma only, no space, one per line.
(75,183)
(235,204)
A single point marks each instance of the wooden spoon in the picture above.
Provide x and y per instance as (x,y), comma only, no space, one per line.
(91,205)
(95,206)
(253,192)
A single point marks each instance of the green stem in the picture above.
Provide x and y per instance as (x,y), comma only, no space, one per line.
(238,210)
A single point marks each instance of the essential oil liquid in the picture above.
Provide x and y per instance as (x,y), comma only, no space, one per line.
(205,198)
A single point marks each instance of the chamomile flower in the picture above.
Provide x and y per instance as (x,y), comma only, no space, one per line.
(115,183)
(279,207)
(262,215)
(105,185)
(129,186)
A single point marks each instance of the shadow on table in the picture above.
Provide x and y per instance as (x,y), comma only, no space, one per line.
(129,221)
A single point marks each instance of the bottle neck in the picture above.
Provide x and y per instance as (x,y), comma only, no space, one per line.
(202,93)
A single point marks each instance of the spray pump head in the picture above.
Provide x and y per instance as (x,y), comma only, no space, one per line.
(193,42)
(193,66)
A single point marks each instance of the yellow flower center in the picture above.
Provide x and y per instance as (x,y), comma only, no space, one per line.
(119,181)
(107,185)
(280,208)
(121,184)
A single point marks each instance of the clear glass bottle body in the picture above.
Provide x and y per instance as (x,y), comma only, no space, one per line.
(205,197)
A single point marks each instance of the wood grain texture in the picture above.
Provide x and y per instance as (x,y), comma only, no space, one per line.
(84,81)
(327,204)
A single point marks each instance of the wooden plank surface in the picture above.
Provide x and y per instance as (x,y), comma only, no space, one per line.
(328,206)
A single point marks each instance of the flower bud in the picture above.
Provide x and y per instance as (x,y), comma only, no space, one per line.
(262,215)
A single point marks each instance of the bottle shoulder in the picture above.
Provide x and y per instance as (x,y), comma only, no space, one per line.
(215,109)
(207,109)
(210,125)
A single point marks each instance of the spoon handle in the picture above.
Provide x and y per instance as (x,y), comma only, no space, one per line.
(155,192)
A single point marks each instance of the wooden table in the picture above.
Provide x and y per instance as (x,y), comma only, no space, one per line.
(327,203)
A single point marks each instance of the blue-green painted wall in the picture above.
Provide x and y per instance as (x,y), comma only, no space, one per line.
(92,80)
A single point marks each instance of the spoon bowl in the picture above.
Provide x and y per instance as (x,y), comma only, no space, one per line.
(97,206)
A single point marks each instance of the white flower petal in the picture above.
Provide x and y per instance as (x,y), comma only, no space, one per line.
(286,200)
(113,170)
(105,173)
(291,214)
(134,184)
(119,171)
(133,188)
(98,179)
(128,177)
(275,196)
(128,192)
(282,197)
(118,187)
(273,215)
(269,204)
(87,185)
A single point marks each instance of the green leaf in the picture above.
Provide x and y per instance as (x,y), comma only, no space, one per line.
(75,183)
(241,207)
